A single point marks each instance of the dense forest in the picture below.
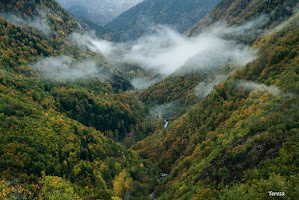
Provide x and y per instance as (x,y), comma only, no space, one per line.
(72,125)
(240,141)
(54,141)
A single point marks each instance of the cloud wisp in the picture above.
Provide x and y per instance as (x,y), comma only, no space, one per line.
(64,68)
(143,83)
(89,40)
(166,110)
(252,86)
(221,28)
(35,22)
(259,87)
(204,88)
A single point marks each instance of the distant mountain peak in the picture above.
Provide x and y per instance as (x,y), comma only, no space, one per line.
(178,14)
(98,11)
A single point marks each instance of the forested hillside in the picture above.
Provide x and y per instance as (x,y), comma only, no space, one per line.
(262,15)
(58,102)
(72,125)
(236,12)
(245,131)
(180,15)
(240,141)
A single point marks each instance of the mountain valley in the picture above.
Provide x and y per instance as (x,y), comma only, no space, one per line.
(202,105)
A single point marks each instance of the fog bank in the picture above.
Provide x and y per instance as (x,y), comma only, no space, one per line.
(64,68)
(165,50)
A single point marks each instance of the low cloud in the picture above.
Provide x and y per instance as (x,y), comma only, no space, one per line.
(221,28)
(166,110)
(204,88)
(252,86)
(38,23)
(90,41)
(166,50)
(64,68)
(143,83)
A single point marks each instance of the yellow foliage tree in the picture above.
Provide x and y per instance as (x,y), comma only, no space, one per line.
(122,183)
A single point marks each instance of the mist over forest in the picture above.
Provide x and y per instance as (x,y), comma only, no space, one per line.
(149,99)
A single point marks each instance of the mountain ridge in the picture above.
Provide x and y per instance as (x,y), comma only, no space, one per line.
(99,12)
(180,15)
(72,127)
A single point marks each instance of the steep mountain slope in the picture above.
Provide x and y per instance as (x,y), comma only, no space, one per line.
(242,132)
(235,12)
(63,107)
(34,54)
(99,30)
(241,140)
(98,11)
(37,140)
(58,100)
(271,15)
(180,15)
(59,21)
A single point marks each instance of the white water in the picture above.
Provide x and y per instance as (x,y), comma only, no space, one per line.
(166,123)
